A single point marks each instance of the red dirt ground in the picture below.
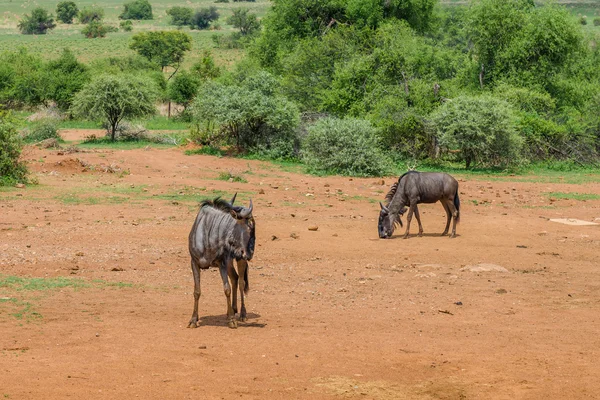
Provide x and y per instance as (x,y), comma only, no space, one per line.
(334,314)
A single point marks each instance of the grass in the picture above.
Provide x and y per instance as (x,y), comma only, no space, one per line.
(572,196)
(228,176)
(115,44)
(206,150)
(24,309)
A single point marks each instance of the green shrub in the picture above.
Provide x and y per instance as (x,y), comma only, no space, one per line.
(96,29)
(89,14)
(137,9)
(344,147)
(481,128)
(180,15)
(66,11)
(596,21)
(38,23)
(203,17)
(42,130)
(11,169)
(126,26)
(583,20)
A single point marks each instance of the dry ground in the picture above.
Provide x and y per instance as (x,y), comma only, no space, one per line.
(334,314)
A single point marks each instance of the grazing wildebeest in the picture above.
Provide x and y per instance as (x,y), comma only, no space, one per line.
(413,188)
(222,233)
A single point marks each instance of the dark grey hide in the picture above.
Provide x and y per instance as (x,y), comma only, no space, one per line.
(413,188)
(221,234)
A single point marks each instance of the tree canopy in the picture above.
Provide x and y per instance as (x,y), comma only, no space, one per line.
(165,48)
(38,23)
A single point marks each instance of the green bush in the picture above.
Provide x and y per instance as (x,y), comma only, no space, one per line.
(180,15)
(596,21)
(38,23)
(12,170)
(481,128)
(97,29)
(137,9)
(65,77)
(23,81)
(344,147)
(42,130)
(203,17)
(583,20)
(126,26)
(66,11)
(89,14)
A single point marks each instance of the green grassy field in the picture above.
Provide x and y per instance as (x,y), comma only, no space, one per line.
(114,44)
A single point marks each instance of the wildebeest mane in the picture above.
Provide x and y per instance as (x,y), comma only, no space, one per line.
(394,188)
(218,204)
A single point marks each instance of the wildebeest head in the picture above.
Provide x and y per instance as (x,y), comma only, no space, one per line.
(244,233)
(387,222)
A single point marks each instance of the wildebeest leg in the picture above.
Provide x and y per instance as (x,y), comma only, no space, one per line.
(227,289)
(233,276)
(418,220)
(408,219)
(454,212)
(242,265)
(196,271)
(448,215)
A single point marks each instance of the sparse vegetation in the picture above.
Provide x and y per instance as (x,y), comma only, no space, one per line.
(38,23)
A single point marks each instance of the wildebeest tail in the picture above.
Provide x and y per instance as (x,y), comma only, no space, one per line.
(247,286)
(457,205)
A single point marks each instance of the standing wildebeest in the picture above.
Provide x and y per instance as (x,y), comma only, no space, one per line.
(413,188)
(221,233)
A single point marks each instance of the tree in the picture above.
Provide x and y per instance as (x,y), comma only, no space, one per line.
(65,77)
(38,23)
(203,17)
(66,11)
(180,15)
(12,170)
(22,79)
(137,9)
(205,68)
(113,98)
(183,88)
(89,14)
(245,22)
(165,48)
(481,127)
(127,25)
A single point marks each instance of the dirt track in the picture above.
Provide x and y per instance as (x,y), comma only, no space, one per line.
(335,313)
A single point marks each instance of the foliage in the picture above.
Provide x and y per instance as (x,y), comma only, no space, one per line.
(244,115)
(245,21)
(97,29)
(22,79)
(165,48)
(203,17)
(481,127)
(344,147)
(183,87)
(38,23)
(42,130)
(180,15)
(89,14)
(65,77)
(205,68)
(66,11)
(12,170)
(113,98)
(596,21)
(126,26)
(138,10)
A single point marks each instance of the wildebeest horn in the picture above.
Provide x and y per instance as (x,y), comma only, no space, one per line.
(246,211)
(233,198)
(384,208)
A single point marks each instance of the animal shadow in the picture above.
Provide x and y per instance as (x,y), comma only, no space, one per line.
(221,320)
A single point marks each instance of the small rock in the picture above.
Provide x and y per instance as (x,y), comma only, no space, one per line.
(293,215)
(202,347)
(501,291)
(274,237)
(19,186)
(335,235)
(484,267)
(261,191)
(293,235)
(459,303)
(97,334)
(79,254)
(327,185)
(313,228)
(542,233)
(117,269)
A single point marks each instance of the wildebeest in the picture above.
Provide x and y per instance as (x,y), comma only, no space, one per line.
(413,188)
(222,233)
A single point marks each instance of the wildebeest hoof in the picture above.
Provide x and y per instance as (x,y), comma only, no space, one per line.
(444,233)
(405,236)
(193,323)
(420,234)
(453,236)
(232,324)
(243,318)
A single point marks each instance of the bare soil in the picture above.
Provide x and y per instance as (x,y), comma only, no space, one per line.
(334,313)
